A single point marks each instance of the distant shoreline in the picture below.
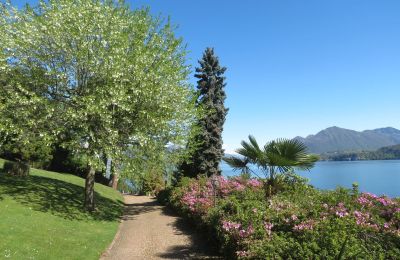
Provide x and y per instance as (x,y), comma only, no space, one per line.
(392,159)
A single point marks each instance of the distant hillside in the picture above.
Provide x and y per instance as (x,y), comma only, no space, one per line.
(336,139)
(385,153)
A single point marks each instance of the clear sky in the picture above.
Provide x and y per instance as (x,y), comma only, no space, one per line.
(296,67)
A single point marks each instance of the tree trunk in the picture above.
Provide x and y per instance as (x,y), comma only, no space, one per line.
(89,189)
(115,179)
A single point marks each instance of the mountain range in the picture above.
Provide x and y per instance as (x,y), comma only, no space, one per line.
(336,139)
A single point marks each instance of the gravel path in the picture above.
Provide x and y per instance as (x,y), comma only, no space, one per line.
(149,231)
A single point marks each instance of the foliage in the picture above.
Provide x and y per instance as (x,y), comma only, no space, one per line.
(125,186)
(107,76)
(152,182)
(207,143)
(300,222)
(24,114)
(18,169)
(276,157)
(150,167)
(26,120)
(42,217)
(384,153)
(65,160)
(37,152)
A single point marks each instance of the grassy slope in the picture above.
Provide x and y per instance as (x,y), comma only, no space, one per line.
(41,217)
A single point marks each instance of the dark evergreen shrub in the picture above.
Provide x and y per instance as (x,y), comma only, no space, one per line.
(19,169)
(163,196)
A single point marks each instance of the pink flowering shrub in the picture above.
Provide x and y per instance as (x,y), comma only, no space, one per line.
(379,213)
(236,229)
(200,195)
(198,199)
(299,222)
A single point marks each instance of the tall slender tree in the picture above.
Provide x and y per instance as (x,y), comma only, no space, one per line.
(208,152)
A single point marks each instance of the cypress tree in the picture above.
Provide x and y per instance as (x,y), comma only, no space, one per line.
(208,152)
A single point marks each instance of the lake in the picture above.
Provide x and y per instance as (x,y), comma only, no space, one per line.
(379,177)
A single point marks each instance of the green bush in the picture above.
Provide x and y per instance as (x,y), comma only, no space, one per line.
(298,222)
(19,169)
(36,151)
(163,196)
(152,182)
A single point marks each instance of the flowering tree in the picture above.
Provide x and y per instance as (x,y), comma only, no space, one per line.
(116,76)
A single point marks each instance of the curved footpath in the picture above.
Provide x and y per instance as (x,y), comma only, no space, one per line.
(150,231)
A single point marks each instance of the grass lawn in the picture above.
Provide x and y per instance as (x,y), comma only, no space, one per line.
(41,217)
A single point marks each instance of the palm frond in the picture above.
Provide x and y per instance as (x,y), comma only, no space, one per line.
(287,153)
(250,150)
(237,163)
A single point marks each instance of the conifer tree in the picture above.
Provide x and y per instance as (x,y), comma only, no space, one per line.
(208,152)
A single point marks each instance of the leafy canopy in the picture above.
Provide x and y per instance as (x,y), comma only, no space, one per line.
(113,76)
(100,78)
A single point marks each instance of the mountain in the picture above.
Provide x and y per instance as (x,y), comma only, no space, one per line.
(336,139)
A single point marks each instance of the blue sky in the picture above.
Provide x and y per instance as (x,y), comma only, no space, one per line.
(296,67)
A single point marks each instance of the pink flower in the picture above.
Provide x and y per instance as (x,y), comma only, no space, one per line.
(254,210)
(385,201)
(294,217)
(254,183)
(340,210)
(228,226)
(241,253)
(246,232)
(305,225)
(242,233)
(341,214)
(363,201)
(363,219)
(386,225)
(371,195)
(268,227)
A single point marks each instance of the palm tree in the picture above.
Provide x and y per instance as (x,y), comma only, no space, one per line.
(276,157)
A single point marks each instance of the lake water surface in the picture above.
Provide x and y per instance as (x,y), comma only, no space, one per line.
(379,177)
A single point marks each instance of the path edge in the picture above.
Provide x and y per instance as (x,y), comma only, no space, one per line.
(106,252)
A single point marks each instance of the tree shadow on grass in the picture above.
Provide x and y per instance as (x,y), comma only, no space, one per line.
(198,248)
(57,197)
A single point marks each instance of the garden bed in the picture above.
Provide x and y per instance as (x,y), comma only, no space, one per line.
(298,222)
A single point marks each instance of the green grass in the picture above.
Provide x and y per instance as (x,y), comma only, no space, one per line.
(41,217)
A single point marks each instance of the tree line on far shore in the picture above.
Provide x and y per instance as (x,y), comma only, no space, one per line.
(385,153)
